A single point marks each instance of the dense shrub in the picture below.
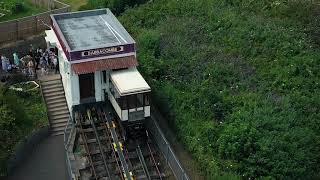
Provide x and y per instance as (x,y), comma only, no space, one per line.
(18,7)
(21,114)
(239,81)
(116,6)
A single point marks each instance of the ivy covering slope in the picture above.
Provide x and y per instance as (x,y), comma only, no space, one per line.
(239,80)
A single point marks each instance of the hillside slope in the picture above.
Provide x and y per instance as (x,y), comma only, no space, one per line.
(239,80)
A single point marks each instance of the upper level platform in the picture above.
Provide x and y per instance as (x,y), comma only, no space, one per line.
(91,34)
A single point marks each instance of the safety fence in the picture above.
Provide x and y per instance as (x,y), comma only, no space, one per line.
(23,28)
(69,131)
(166,150)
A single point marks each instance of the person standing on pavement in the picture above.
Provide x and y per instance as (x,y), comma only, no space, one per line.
(16,60)
(30,68)
(56,64)
(4,63)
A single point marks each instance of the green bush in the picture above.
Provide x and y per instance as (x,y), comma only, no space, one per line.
(116,6)
(18,8)
(238,81)
(20,115)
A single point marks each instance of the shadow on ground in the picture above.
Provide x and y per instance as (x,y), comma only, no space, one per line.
(46,162)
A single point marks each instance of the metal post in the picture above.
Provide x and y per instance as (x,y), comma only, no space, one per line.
(182,174)
(36,19)
(17,29)
(167,153)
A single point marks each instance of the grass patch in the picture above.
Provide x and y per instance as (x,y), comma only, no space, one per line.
(27,9)
(75,4)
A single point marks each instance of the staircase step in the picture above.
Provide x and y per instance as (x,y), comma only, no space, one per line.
(54,89)
(50,77)
(60,108)
(60,96)
(61,120)
(56,129)
(58,100)
(49,86)
(57,125)
(62,112)
(60,117)
(55,93)
(45,83)
(57,104)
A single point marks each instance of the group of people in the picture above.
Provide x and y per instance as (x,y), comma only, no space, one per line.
(36,59)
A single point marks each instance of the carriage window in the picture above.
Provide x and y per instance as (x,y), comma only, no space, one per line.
(147,99)
(132,101)
(123,102)
(139,100)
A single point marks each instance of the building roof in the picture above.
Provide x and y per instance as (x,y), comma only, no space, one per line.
(91,30)
(129,81)
(100,65)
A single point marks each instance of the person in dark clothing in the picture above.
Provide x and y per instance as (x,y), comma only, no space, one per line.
(31,53)
(56,64)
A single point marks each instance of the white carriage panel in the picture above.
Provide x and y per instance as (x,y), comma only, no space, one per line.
(147,111)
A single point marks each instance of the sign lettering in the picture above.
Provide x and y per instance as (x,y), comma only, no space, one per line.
(102,51)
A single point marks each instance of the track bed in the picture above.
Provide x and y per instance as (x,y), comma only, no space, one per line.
(102,152)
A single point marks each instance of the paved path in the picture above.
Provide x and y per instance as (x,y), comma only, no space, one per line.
(46,162)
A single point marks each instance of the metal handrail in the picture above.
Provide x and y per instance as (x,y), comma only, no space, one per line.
(67,140)
(181,170)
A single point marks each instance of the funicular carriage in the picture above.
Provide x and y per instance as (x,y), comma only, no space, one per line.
(104,91)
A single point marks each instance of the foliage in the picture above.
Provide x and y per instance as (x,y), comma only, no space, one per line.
(14,9)
(116,6)
(238,80)
(21,114)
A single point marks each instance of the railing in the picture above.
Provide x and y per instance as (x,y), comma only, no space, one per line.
(68,132)
(166,150)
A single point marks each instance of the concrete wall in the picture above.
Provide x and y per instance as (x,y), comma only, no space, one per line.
(23,28)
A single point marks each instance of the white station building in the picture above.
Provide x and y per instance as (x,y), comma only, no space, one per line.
(97,62)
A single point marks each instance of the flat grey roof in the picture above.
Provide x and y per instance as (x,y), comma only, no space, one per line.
(92,29)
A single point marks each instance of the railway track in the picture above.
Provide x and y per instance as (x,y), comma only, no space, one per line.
(109,155)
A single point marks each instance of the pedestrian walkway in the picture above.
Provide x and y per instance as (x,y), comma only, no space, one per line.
(46,162)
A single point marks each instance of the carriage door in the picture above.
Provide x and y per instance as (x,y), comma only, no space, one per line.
(87,91)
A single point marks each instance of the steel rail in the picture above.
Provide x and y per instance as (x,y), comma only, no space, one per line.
(143,162)
(99,143)
(86,145)
(152,157)
(110,143)
(118,148)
